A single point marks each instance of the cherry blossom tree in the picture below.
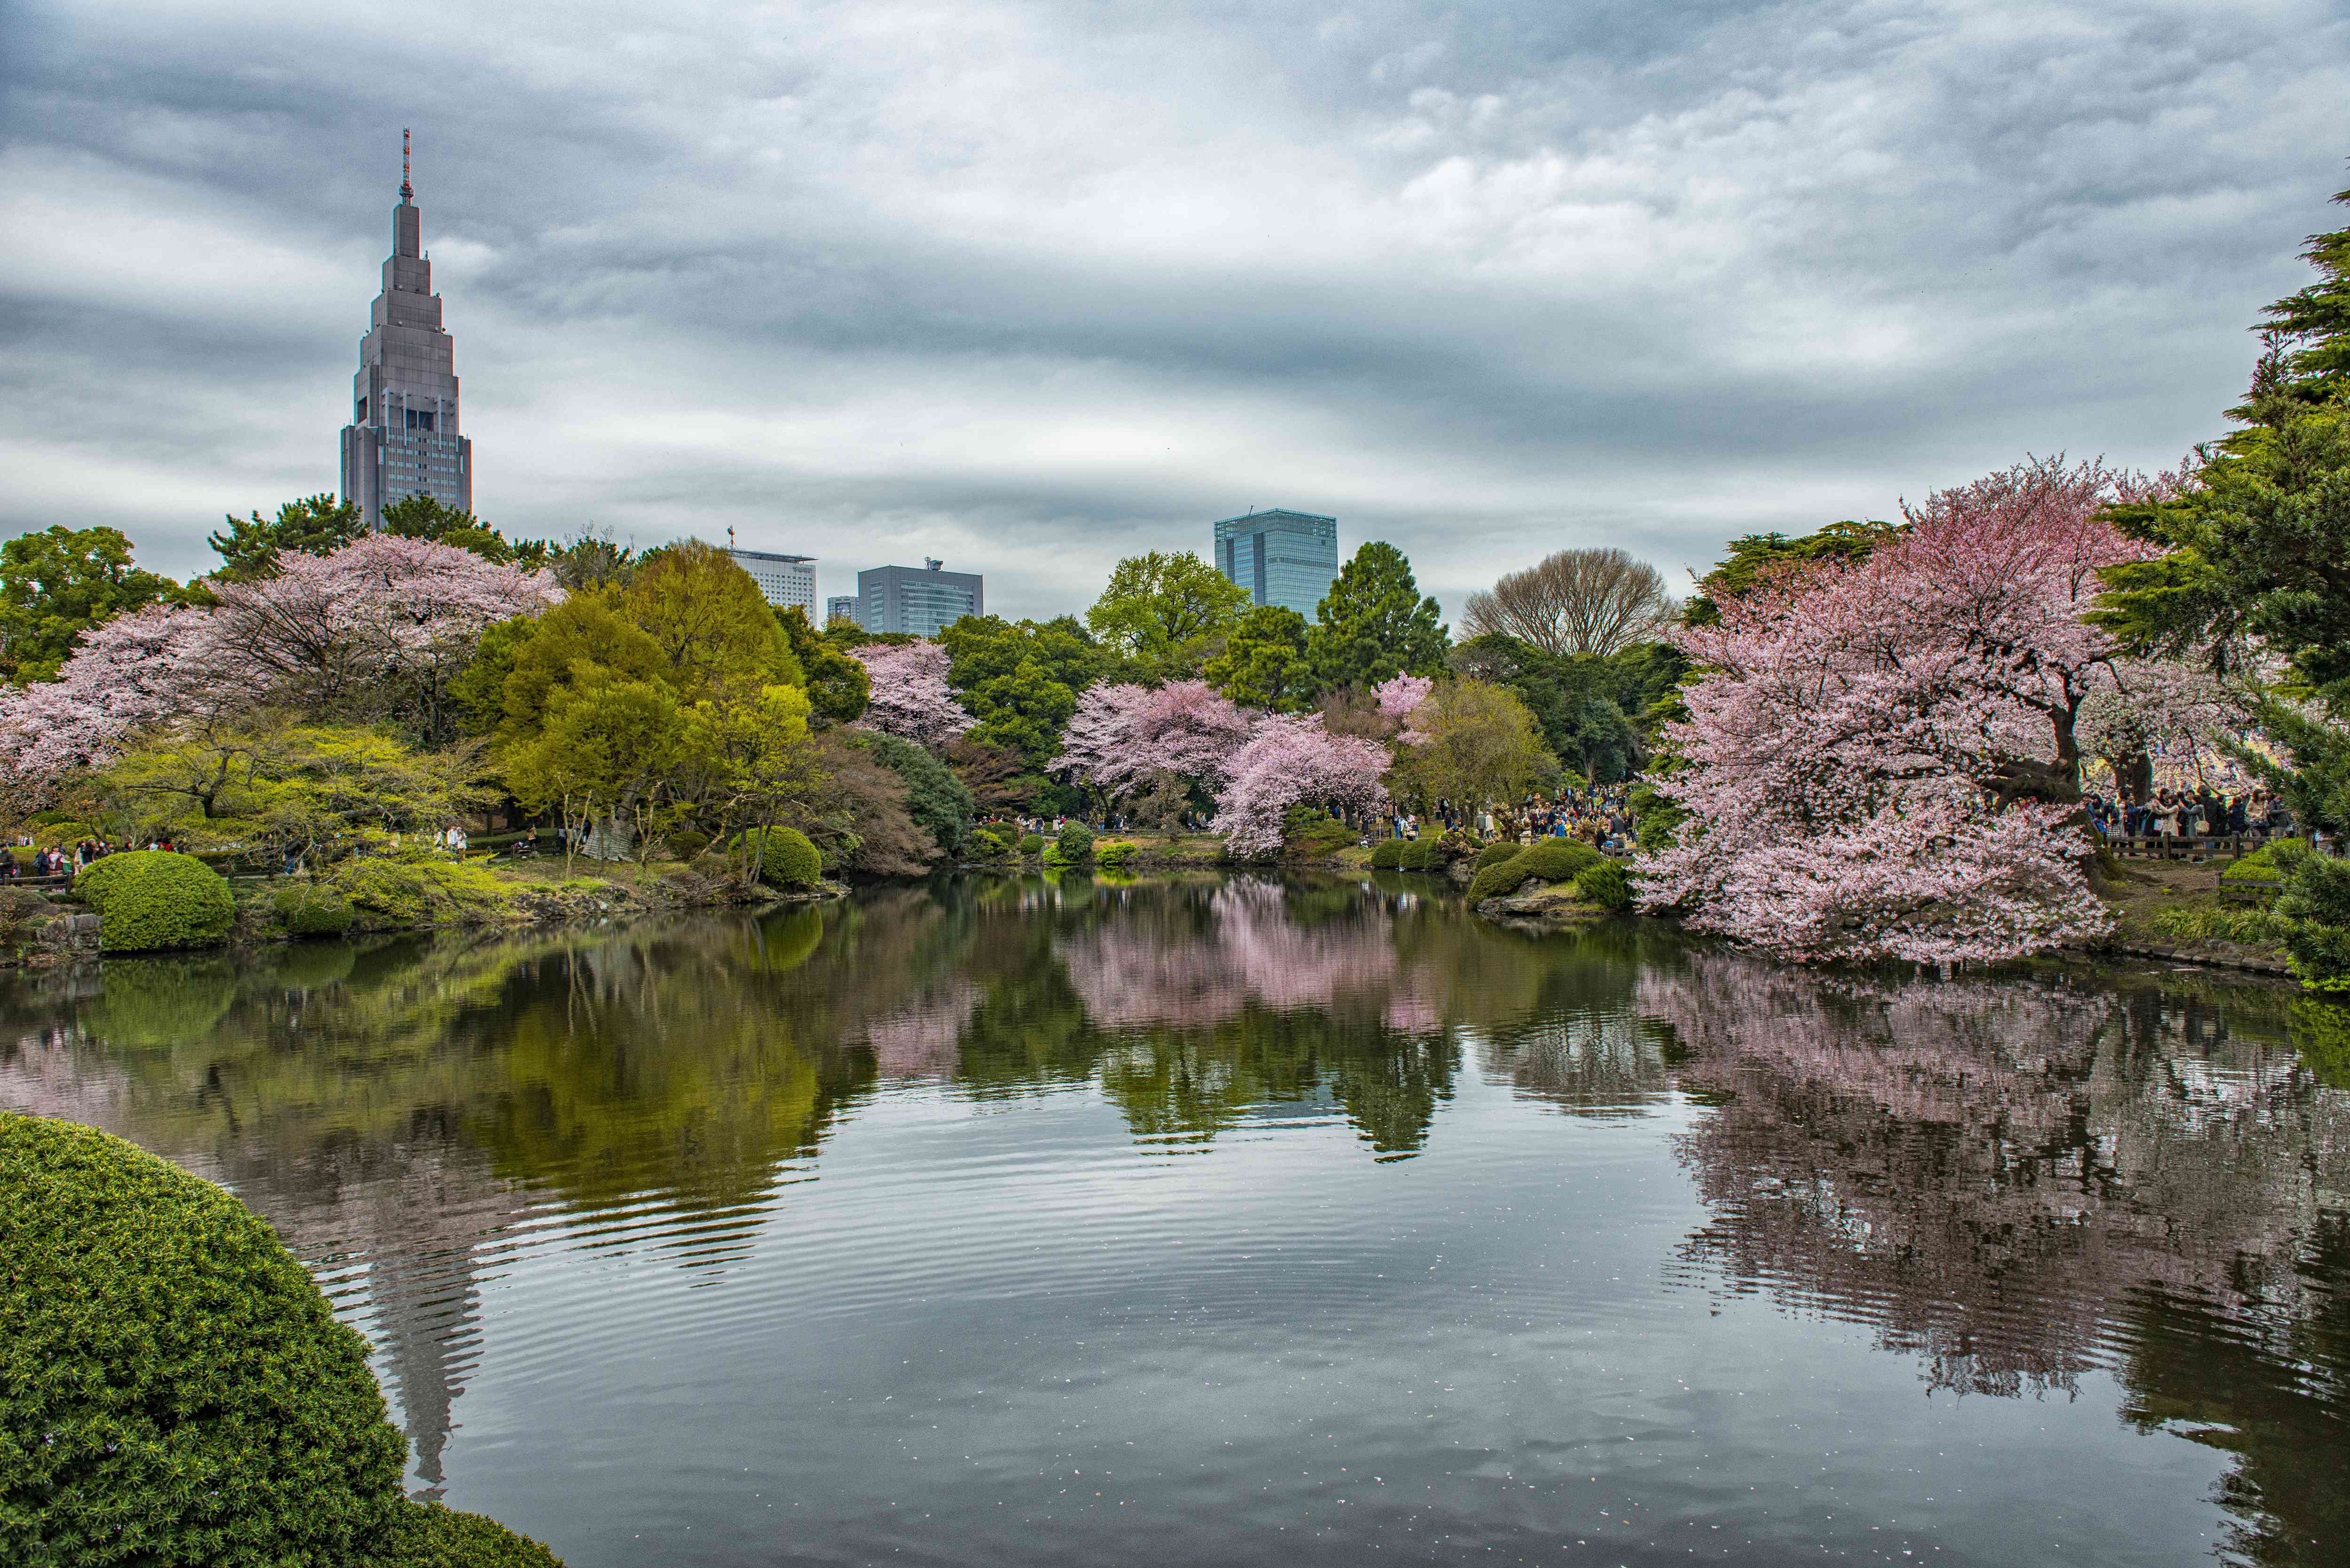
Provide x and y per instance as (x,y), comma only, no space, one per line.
(1124,736)
(377,627)
(1882,757)
(1399,696)
(1292,760)
(907,693)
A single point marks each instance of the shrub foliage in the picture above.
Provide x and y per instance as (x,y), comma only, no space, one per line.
(790,859)
(1549,860)
(175,1388)
(151,899)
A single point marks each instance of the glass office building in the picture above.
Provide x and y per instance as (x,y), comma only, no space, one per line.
(916,602)
(1280,557)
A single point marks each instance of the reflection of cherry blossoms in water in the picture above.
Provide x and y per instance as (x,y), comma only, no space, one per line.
(924,1041)
(1203,963)
(1991,1171)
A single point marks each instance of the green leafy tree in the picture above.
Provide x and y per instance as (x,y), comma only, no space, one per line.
(836,687)
(1264,662)
(607,742)
(1163,612)
(1475,745)
(939,802)
(521,662)
(746,765)
(58,584)
(1020,678)
(1597,714)
(309,526)
(712,623)
(1374,624)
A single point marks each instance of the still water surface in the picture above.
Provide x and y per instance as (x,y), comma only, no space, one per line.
(1234,1222)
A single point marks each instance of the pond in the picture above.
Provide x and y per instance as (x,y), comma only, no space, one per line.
(1247,1221)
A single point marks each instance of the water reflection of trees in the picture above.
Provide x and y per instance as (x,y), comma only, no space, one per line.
(2017,1182)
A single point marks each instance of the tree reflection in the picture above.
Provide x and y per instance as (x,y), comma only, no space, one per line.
(2019,1181)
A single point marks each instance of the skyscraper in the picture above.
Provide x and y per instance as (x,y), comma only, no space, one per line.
(918,603)
(403,439)
(1280,557)
(840,606)
(782,579)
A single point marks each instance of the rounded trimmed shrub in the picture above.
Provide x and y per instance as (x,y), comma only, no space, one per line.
(1495,853)
(309,910)
(173,1388)
(148,899)
(790,859)
(1548,860)
(1114,855)
(1421,854)
(1387,855)
(1074,846)
(1034,843)
(428,1535)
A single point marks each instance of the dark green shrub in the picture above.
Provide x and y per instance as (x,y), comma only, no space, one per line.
(1310,835)
(148,899)
(2260,866)
(173,1388)
(2315,907)
(307,909)
(987,844)
(1495,853)
(1387,855)
(1421,854)
(427,1535)
(685,844)
(1074,846)
(1547,860)
(1605,885)
(790,859)
(1034,843)
(940,803)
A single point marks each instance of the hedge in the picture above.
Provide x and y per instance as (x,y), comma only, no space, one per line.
(175,1391)
(2260,866)
(1387,855)
(428,1535)
(1549,860)
(1494,854)
(1075,845)
(314,911)
(1034,843)
(789,859)
(1425,854)
(148,899)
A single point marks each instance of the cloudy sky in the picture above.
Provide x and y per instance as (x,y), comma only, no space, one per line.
(1030,285)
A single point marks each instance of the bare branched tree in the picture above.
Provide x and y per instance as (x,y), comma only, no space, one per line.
(1577,601)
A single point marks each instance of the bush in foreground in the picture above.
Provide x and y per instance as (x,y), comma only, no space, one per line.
(1387,855)
(2315,907)
(1422,853)
(174,1390)
(148,899)
(1494,854)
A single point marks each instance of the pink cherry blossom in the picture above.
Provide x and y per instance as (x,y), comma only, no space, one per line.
(1399,696)
(1881,757)
(1292,760)
(910,697)
(1123,735)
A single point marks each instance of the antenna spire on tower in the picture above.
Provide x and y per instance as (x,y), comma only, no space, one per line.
(407,193)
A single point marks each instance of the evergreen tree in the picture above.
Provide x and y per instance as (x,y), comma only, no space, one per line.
(1263,663)
(836,682)
(1374,624)
(309,526)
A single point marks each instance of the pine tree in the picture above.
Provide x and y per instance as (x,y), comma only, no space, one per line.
(1374,624)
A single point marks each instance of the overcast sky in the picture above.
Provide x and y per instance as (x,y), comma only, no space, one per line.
(1033,286)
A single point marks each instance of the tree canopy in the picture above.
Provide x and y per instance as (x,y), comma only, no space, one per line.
(307,525)
(1264,662)
(1162,612)
(59,583)
(1374,624)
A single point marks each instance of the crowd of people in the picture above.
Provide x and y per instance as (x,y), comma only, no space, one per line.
(2202,812)
(1598,814)
(58,862)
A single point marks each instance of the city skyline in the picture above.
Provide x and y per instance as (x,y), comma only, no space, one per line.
(1486,285)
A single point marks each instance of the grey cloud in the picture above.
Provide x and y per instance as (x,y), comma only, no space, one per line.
(1040,284)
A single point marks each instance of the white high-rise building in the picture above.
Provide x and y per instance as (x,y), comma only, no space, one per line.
(782,579)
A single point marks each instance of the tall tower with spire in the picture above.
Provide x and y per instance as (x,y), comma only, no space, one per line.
(404,438)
